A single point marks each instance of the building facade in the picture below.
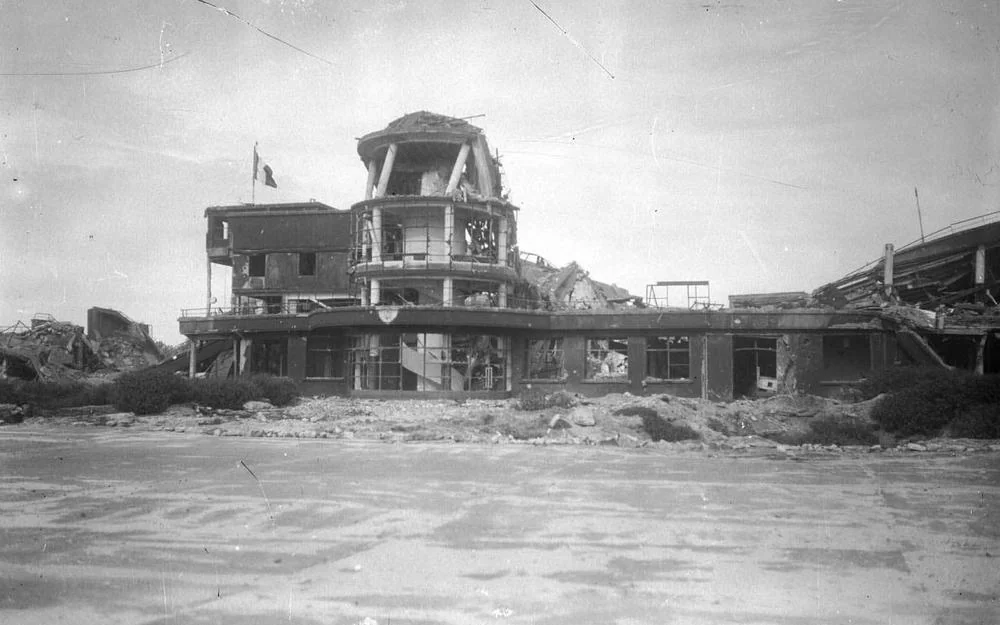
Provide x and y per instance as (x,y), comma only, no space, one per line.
(420,290)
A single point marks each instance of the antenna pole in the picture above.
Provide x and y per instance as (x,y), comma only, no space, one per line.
(920,217)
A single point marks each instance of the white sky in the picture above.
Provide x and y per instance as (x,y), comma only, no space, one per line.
(765,146)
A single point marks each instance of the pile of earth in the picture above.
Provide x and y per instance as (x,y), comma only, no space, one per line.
(616,419)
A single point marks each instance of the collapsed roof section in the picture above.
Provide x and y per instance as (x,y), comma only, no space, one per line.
(958,270)
(571,287)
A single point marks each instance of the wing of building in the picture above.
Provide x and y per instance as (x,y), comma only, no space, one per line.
(420,290)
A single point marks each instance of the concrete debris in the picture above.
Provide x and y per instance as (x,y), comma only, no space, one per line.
(770,301)
(583,416)
(48,349)
(571,287)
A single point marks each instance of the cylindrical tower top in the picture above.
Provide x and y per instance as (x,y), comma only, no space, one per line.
(427,142)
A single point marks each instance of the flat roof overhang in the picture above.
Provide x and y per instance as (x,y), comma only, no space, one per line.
(492,206)
(373,318)
(263,210)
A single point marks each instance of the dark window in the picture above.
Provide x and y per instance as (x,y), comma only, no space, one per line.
(607,360)
(217,228)
(269,356)
(307,264)
(258,264)
(325,357)
(428,362)
(392,242)
(545,359)
(404,183)
(668,357)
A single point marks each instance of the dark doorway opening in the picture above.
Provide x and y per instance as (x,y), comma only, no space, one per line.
(755,365)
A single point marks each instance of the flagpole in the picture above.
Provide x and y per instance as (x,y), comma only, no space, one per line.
(253,176)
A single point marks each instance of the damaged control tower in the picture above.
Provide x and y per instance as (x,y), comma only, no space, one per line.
(420,290)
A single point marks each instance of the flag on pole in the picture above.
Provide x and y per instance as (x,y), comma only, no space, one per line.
(262,171)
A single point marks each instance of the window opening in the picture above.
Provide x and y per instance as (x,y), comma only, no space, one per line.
(258,265)
(325,357)
(404,183)
(307,263)
(269,356)
(668,357)
(392,242)
(419,361)
(607,360)
(545,359)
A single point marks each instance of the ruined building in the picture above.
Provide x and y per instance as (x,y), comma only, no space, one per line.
(420,290)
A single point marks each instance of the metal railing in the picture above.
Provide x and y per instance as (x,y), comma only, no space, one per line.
(489,302)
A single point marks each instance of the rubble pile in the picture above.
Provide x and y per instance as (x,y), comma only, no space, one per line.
(50,350)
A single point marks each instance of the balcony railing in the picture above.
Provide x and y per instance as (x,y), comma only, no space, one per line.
(483,302)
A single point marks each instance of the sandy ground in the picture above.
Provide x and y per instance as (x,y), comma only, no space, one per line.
(102,525)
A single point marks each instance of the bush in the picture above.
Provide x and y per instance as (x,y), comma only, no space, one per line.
(659,429)
(897,379)
(221,393)
(54,394)
(149,391)
(279,391)
(981,421)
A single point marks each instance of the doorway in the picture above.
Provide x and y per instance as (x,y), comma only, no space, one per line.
(755,366)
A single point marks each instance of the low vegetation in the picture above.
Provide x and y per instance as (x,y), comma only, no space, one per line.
(149,391)
(54,395)
(936,402)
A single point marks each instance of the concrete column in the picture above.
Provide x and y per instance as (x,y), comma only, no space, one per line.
(704,366)
(236,357)
(449,228)
(192,357)
(980,274)
(377,235)
(372,174)
(365,301)
(888,270)
(502,295)
(981,355)
(208,287)
(502,242)
(448,292)
(376,292)
(456,171)
(383,181)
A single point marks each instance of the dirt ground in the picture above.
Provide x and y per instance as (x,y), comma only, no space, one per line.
(739,425)
(133,525)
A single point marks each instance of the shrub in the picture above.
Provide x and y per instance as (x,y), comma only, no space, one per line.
(10,392)
(924,401)
(897,379)
(221,393)
(54,394)
(980,421)
(659,429)
(149,391)
(279,391)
